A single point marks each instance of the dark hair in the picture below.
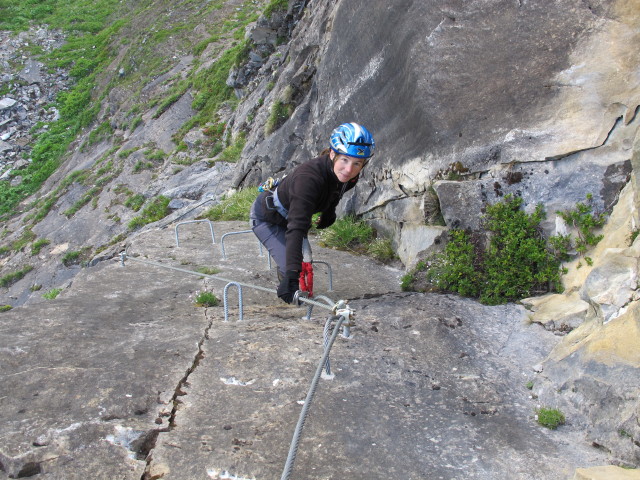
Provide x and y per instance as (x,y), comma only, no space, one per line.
(326,151)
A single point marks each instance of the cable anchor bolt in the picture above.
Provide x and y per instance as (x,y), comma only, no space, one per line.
(341,309)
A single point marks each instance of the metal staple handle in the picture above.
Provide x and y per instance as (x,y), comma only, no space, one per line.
(124,256)
(226,303)
(213,237)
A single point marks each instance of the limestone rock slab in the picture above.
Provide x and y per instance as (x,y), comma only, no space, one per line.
(609,472)
(422,389)
(108,353)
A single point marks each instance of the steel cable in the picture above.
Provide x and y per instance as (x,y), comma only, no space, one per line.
(324,361)
(293,449)
(301,299)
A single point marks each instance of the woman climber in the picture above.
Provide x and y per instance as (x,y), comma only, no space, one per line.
(281,217)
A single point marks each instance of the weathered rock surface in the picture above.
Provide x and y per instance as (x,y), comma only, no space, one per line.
(475,99)
(122,374)
(600,310)
(605,473)
(524,102)
(604,400)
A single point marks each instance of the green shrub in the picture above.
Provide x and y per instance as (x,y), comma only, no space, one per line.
(5,308)
(407,282)
(416,278)
(550,417)
(518,261)
(156,210)
(585,221)
(11,278)
(233,207)
(454,270)
(206,299)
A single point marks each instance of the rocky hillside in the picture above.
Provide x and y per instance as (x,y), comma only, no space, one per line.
(468,102)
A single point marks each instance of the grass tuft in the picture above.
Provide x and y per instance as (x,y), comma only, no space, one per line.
(347,233)
(11,278)
(205,299)
(550,418)
(156,210)
(233,207)
(51,294)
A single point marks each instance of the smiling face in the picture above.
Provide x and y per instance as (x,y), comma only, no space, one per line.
(346,168)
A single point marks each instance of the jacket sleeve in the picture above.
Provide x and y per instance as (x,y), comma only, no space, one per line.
(304,193)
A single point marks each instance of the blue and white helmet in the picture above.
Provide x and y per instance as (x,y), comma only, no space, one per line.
(353,140)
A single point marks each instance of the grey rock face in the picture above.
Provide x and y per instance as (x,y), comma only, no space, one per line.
(525,97)
(122,374)
(476,99)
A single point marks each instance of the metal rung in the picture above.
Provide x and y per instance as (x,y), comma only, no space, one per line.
(213,237)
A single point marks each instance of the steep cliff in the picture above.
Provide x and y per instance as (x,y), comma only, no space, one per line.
(468,101)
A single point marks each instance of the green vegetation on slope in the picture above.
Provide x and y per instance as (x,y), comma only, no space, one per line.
(89,27)
(518,261)
(153,35)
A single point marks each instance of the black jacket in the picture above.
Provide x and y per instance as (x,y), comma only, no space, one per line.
(310,188)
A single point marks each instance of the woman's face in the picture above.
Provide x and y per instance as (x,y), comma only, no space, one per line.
(345,167)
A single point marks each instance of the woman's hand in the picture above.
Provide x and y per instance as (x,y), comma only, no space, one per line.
(326,220)
(289,286)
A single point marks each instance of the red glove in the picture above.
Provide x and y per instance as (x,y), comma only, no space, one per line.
(306,278)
